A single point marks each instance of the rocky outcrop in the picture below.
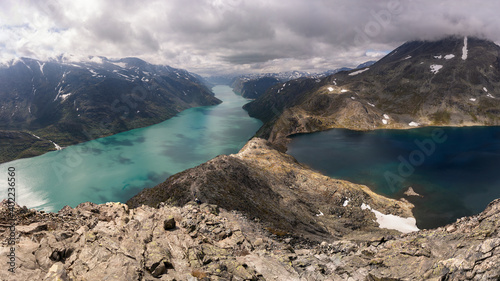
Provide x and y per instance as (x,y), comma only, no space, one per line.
(287,197)
(114,242)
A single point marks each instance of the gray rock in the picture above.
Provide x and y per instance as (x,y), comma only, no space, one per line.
(169,223)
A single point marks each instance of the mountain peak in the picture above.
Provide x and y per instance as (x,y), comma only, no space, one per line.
(445,48)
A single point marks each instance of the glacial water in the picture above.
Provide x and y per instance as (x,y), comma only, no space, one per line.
(115,168)
(456,170)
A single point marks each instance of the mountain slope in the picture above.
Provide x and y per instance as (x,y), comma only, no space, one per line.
(254,88)
(454,81)
(287,197)
(71,102)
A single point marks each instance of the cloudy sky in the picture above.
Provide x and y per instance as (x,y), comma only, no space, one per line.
(236,36)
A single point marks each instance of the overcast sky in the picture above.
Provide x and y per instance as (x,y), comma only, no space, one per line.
(236,36)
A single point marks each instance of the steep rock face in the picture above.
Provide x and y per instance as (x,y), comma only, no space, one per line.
(114,242)
(287,197)
(454,81)
(70,102)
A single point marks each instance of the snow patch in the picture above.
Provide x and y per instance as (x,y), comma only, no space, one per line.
(120,64)
(386,119)
(449,57)
(404,225)
(96,60)
(413,124)
(484,89)
(371,104)
(490,96)
(93,72)
(353,98)
(56,145)
(435,68)
(358,72)
(320,213)
(346,202)
(65,96)
(438,57)
(330,89)
(472,99)
(344,91)
(408,57)
(35,136)
(465,51)
(41,65)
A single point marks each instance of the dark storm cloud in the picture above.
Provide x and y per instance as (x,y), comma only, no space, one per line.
(237,35)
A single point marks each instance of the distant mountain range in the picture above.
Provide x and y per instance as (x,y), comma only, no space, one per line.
(254,85)
(450,82)
(282,76)
(65,102)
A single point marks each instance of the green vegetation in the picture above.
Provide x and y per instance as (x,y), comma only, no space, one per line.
(16,145)
(441,117)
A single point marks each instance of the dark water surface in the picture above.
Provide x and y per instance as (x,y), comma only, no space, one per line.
(457,170)
(117,167)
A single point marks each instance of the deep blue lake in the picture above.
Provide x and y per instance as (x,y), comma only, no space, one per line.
(115,168)
(456,170)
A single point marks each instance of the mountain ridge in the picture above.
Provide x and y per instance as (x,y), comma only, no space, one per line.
(420,83)
(69,102)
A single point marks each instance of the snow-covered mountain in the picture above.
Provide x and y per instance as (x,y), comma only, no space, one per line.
(254,85)
(69,102)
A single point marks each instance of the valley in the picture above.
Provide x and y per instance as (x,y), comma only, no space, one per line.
(208,198)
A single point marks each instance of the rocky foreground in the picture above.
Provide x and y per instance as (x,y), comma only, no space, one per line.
(262,216)
(201,242)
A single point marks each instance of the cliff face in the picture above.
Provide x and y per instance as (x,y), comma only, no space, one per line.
(201,242)
(451,82)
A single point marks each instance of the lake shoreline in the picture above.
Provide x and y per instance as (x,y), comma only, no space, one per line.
(399,154)
(116,167)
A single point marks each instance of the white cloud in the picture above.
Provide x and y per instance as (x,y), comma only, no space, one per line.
(235,35)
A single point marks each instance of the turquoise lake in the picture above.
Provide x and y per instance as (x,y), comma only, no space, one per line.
(115,168)
(456,170)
